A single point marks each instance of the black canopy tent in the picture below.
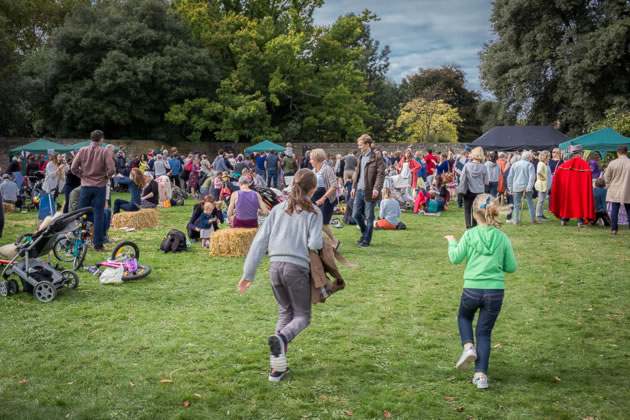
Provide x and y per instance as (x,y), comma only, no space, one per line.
(511,138)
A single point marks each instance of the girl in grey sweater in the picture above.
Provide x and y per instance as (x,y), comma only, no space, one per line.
(292,229)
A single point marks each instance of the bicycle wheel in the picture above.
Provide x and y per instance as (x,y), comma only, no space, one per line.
(64,249)
(142,271)
(80,257)
(125,250)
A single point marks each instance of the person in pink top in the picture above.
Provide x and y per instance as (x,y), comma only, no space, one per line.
(245,205)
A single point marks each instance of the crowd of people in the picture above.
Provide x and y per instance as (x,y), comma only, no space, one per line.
(485,184)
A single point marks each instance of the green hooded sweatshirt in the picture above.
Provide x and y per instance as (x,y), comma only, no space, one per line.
(488,253)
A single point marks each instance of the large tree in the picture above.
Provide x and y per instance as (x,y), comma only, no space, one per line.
(446,83)
(423,120)
(119,65)
(283,76)
(565,61)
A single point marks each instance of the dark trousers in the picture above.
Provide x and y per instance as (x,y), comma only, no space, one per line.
(67,189)
(602,215)
(492,189)
(363,213)
(95,197)
(489,303)
(124,205)
(272,179)
(175,180)
(615,214)
(469,197)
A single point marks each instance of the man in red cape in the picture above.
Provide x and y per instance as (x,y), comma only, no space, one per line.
(572,196)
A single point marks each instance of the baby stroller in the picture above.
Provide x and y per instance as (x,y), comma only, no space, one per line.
(400,191)
(37,275)
(270,196)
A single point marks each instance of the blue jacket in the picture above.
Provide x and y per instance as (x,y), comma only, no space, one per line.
(176,166)
(522,176)
(204,220)
(136,193)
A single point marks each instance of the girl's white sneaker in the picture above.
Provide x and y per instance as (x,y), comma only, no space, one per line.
(469,355)
(480,381)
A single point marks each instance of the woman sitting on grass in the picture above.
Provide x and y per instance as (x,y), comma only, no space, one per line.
(488,253)
(136,182)
(293,228)
(388,212)
(193,233)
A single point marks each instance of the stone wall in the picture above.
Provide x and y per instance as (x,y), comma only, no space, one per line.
(143,146)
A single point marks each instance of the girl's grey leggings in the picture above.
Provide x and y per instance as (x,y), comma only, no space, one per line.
(291,285)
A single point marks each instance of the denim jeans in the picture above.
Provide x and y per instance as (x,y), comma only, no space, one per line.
(95,197)
(363,213)
(518,197)
(1,216)
(124,205)
(579,219)
(489,304)
(492,189)
(510,200)
(614,216)
(272,179)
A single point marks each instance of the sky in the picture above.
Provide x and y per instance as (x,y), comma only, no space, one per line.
(423,33)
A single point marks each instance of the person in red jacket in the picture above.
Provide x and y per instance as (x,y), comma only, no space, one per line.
(431,162)
(573,191)
(411,168)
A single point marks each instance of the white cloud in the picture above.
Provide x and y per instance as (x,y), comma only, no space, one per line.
(423,33)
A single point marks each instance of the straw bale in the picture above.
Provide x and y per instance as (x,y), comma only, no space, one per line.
(8,207)
(231,242)
(141,219)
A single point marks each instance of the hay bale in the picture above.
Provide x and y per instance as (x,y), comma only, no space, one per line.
(231,242)
(8,207)
(141,219)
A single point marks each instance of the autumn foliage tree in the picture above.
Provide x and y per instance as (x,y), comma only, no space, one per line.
(424,120)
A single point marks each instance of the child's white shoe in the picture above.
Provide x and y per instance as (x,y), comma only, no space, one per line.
(468,356)
(481,381)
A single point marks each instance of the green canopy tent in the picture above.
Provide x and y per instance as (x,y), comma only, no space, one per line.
(265,146)
(41,147)
(87,143)
(604,140)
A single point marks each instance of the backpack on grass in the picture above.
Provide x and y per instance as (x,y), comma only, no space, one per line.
(175,241)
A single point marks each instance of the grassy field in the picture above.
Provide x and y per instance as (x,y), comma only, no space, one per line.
(385,346)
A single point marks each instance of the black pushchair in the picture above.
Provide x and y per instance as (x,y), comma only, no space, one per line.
(270,196)
(37,275)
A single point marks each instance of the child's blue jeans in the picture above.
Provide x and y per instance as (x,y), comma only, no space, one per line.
(489,302)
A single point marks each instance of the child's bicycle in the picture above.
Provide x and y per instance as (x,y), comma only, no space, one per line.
(72,247)
(124,255)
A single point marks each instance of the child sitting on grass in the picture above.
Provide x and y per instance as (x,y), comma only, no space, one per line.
(205,226)
(293,228)
(388,212)
(488,253)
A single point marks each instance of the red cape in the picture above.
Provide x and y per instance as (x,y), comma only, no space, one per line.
(572,191)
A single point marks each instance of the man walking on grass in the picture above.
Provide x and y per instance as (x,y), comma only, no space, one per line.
(521,183)
(367,182)
(95,165)
(618,182)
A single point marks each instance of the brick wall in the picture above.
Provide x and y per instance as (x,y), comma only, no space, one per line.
(143,146)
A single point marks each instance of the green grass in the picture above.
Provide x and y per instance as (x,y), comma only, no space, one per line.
(389,342)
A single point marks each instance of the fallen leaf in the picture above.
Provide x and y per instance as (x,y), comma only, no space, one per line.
(306,416)
(387,414)
(165,381)
(22,381)
(452,378)
(558,301)
(69,383)
(458,409)
(557,379)
(545,308)
(497,346)
(336,398)
(323,397)
(555,403)
(449,398)
(67,415)
(132,384)
(348,413)
(614,345)
(580,324)
(12,377)
(313,354)
(436,284)
(379,295)
(186,403)
(197,395)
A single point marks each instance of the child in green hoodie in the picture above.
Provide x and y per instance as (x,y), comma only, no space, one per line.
(488,254)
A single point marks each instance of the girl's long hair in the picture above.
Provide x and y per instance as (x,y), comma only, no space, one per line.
(54,159)
(138,177)
(299,200)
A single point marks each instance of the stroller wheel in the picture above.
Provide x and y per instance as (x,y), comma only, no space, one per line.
(45,291)
(13,287)
(4,288)
(70,279)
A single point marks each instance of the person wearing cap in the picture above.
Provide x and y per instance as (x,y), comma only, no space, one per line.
(573,191)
